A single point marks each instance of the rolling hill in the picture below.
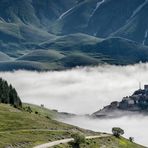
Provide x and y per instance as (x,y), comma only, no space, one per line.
(71,51)
(24,65)
(42,56)
(81,33)
(106,18)
(4,57)
(36,125)
(36,13)
(22,128)
(97,17)
(136,28)
(72,41)
(25,23)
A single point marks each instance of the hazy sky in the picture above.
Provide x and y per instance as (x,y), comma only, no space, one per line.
(81,90)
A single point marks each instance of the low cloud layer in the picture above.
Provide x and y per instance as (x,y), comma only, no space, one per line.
(131,126)
(81,90)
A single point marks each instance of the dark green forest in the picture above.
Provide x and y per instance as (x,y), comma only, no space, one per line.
(8,94)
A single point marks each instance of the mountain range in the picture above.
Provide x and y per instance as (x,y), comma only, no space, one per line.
(61,34)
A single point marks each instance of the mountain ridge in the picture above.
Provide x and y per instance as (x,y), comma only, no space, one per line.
(98,31)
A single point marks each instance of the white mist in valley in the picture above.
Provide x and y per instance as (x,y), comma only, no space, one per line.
(80,90)
(84,91)
(135,126)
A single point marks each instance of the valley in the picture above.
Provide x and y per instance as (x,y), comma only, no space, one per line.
(62,62)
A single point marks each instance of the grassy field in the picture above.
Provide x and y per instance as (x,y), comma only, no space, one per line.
(19,128)
(106,142)
(26,128)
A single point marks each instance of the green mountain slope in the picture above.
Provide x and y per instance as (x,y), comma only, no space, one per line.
(37,13)
(4,57)
(24,23)
(112,51)
(22,128)
(122,51)
(72,41)
(34,125)
(30,29)
(42,56)
(99,18)
(78,50)
(107,142)
(26,65)
(137,27)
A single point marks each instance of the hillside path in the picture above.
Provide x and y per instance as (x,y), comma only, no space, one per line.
(54,143)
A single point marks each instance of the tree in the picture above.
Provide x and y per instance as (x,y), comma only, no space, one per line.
(131,139)
(9,95)
(78,138)
(117,132)
(14,98)
(28,109)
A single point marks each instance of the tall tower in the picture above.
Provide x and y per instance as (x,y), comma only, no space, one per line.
(139,85)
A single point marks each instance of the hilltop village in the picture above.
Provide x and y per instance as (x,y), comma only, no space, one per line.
(137,102)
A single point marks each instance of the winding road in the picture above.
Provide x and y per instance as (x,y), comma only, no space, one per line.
(54,143)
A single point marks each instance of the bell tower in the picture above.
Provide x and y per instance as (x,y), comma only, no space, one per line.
(139,85)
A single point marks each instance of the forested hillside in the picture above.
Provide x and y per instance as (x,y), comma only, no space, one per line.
(8,94)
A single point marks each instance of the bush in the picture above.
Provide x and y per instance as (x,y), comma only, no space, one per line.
(48,117)
(131,139)
(117,132)
(78,138)
(36,112)
(28,109)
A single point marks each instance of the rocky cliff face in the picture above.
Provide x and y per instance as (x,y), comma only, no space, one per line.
(136,103)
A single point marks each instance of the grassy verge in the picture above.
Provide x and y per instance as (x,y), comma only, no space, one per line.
(28,139)
(106,142)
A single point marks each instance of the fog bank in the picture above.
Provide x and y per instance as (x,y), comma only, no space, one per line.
(84,91)
(135,126)
(80,90)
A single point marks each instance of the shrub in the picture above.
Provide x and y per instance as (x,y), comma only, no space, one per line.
(28,109)
(36,112)
(78,138)
(117,132)
(48,117)
(131,139)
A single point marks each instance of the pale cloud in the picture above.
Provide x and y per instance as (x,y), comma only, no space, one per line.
(135,126)
(81,90)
